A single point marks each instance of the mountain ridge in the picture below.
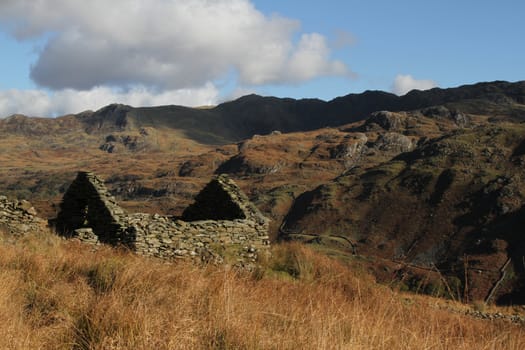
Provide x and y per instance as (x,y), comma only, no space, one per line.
(253,114)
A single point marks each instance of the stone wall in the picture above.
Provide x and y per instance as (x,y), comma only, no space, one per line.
(222,199)
(221,225)
(19,217)
(238,241)
(88,204)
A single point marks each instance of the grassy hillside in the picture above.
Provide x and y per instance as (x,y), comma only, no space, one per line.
(58,294)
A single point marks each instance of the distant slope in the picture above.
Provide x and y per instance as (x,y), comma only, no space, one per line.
(260,115)
(253,114)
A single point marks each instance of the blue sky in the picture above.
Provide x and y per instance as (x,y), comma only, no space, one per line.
(70,55)
(450,42)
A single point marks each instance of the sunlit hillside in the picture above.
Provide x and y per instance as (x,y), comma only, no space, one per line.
(58,294)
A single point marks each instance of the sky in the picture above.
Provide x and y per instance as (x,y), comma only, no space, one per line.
(67,56)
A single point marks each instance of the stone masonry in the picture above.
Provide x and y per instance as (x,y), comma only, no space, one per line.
(19,217)
(221,224)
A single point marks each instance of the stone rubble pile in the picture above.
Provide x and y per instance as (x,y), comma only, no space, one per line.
(496,316)
(19,217)
(488,316)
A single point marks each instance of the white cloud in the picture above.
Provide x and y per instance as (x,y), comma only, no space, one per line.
(40,103)
(166,44)
(311,59)
(405,83)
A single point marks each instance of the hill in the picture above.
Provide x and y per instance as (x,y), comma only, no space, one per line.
(454,202)
(425,187)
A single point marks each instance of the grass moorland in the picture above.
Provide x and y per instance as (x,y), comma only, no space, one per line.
(58,294)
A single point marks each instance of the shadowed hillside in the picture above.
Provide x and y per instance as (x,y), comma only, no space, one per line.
(454,198)
(249,115)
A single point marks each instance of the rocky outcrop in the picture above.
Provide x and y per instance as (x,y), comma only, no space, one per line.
(222,224)
(136,141)
(350,150)
(384,119)
(443,112)
(244,164)
(19,217)
(394,142)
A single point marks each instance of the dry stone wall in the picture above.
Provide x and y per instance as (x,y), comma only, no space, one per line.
(239,241)
(88,204)
(221,225)
(19,217)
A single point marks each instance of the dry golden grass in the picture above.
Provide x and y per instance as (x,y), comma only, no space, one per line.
(58,294)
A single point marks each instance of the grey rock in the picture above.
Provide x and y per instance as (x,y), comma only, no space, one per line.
(393,141)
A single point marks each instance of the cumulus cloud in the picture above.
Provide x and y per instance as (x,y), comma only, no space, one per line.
(44,104)
(165,44)
(404,83)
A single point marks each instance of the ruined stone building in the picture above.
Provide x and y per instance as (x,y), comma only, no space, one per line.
(221,222)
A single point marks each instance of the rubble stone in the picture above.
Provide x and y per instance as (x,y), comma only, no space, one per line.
(19,217)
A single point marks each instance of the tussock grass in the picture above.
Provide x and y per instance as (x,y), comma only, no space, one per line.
(57,294)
